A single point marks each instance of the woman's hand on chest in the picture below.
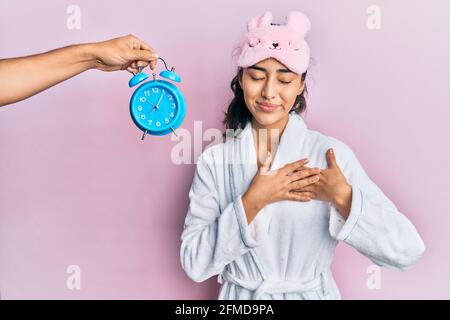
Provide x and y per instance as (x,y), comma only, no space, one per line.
(271,186)
(332,186)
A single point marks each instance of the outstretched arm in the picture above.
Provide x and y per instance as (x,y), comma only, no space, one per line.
(24,77)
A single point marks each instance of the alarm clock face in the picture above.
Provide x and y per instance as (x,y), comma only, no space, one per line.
(157,107)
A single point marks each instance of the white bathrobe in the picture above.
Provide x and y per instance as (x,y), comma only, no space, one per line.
(287,250)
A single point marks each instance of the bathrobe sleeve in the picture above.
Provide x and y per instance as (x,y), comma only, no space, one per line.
(374,226)
(212,238)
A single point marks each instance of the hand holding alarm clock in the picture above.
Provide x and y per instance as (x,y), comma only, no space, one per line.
(157,107)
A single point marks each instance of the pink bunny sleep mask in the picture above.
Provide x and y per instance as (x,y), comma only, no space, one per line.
(285,42)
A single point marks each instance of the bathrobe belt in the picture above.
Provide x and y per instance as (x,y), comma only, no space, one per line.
(269,286)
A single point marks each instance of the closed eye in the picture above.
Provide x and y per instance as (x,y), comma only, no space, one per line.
(258,79)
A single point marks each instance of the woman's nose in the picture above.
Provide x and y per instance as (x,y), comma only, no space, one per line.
(269,90)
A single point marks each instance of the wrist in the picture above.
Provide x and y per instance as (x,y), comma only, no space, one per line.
(89,55)
(343,199)
(251,206)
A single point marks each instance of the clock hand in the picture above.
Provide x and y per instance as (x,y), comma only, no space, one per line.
(159,100)
(157,104)
(154,106)
(153,109)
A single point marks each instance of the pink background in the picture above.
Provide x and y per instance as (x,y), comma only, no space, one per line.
(78,187)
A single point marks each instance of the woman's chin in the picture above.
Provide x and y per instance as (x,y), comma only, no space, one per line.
(267,120)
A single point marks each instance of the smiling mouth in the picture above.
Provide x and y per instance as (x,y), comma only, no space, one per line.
(267,107)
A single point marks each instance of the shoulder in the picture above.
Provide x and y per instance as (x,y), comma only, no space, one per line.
(211,164)
(212,153)
(212,157)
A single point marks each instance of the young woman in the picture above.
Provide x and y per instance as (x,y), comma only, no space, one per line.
(268,206)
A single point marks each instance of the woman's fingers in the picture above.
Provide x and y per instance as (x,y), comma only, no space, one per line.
(299,196)
(299,184)
(310,194)
(301,180)
(303,173)
(290,167)
(309,187)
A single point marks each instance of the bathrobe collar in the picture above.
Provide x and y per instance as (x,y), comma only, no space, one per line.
(292,137)
(241,154)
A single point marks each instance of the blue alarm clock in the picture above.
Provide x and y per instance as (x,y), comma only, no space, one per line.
(157,107)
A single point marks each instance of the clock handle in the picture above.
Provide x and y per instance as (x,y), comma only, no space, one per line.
(165,64)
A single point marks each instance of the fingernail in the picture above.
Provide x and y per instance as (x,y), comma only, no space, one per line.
(331,150)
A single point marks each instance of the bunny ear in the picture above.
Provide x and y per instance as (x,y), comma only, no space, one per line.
(260,21)
(299,22)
